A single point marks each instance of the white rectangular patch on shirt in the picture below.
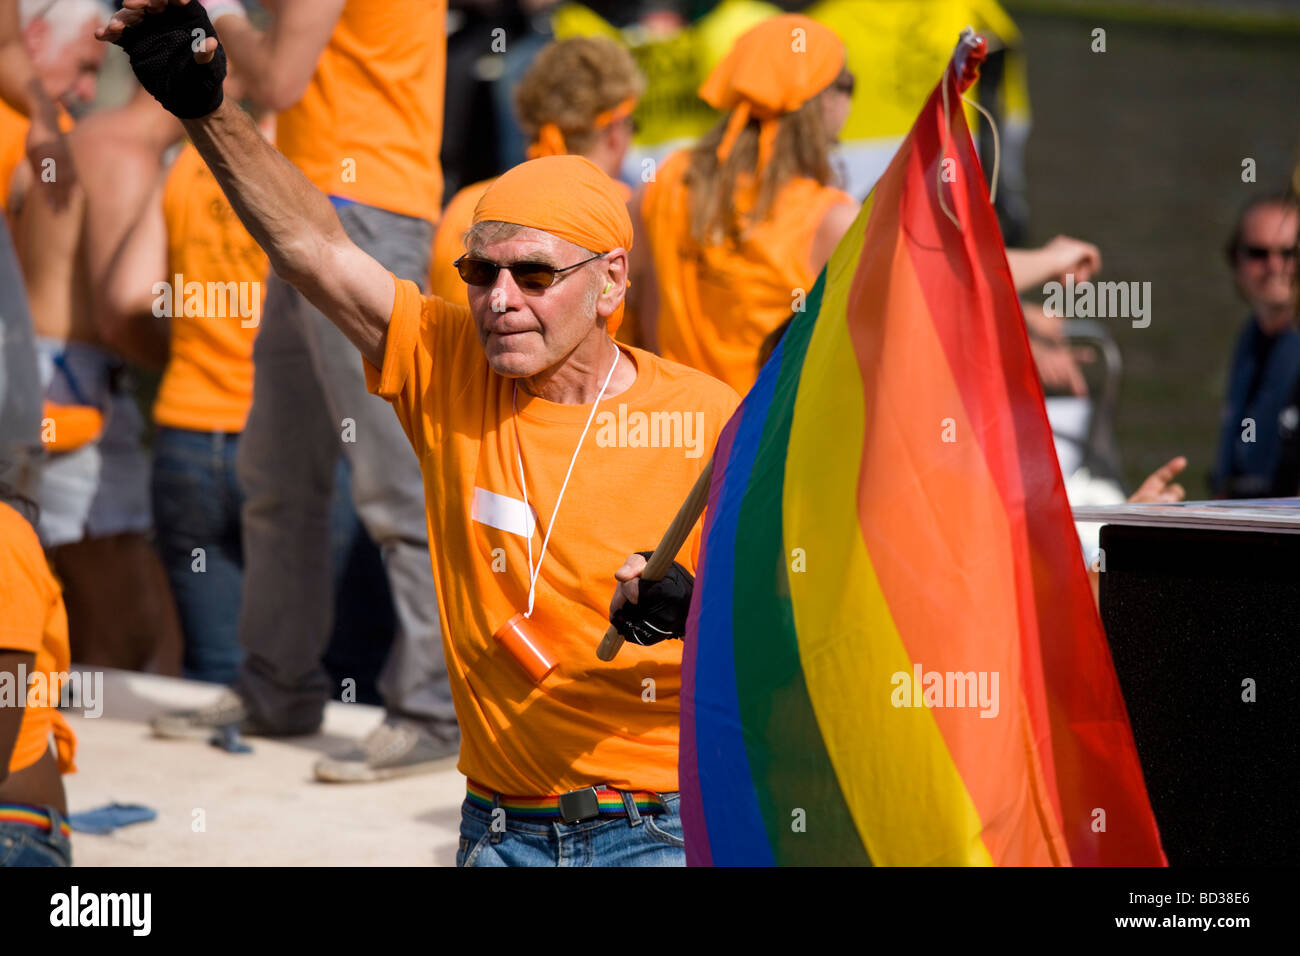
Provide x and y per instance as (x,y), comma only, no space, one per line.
(503,513)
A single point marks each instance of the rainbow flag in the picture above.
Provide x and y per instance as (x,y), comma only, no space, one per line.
(893,654)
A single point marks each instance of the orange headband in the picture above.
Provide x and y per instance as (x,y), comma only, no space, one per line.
(550,138)
(567,196)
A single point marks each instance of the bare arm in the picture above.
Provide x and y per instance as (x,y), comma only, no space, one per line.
(296,226)
(140,261)
(46,238)
(1033,267)
(275,66)
(17,77)
(21,89)
(833,226)
(133,166)
(285,214)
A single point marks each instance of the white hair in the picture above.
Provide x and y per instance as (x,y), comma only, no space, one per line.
(66,18)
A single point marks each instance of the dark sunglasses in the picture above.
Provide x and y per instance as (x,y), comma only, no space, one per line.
(1260,253)
(845,84)
(529,276)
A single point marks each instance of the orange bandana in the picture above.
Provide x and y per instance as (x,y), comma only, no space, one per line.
(567,196)
(773,68)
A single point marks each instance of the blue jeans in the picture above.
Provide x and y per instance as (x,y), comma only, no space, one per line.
(650,840)
(196,504)
(23,845)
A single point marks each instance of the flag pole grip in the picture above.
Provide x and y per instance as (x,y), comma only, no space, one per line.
(662,558)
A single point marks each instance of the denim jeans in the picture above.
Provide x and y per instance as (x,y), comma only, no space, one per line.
(196,503)
(23,845)
(649,840)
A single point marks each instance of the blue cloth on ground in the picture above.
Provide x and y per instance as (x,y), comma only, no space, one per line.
(103,820)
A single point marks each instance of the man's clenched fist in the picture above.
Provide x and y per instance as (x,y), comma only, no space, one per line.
(174,53)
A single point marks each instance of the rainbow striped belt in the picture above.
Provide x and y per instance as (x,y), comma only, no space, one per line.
(572,807)
(31,816)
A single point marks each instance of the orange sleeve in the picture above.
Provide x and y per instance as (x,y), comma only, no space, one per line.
(400,344)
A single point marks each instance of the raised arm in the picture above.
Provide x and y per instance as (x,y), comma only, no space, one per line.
(286,215)
(276,65)
(140,261)
(21,89)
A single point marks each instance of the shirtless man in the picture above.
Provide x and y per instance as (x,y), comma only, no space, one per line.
(95,514)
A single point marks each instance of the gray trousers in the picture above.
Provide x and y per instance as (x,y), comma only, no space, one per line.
(20,386)
(309,405)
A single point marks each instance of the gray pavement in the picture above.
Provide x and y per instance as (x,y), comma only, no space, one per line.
(258,809)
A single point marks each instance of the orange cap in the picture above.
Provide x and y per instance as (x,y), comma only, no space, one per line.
(567,196)
(772,69)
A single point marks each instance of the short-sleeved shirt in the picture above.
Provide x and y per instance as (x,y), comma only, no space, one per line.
(218,279)
(369,126)
(589,721)
(33,620)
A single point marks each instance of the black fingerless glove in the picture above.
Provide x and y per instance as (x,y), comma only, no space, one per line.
(161,48)
(661,609)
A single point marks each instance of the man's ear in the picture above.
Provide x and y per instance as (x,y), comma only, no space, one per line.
(613,286)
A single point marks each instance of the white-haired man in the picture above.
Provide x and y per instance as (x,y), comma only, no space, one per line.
(42,61)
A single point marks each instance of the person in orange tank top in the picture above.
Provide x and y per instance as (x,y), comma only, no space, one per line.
(576,97)
(358,88)
(739,226)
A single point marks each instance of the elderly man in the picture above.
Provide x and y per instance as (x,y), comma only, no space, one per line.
(1266,362)
(529,506)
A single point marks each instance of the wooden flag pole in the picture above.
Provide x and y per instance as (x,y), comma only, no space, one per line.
(662,558)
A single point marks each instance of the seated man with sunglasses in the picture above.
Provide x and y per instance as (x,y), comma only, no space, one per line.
(548,453)
(1258,408)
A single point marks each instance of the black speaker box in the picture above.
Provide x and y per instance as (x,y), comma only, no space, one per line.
(1198,622)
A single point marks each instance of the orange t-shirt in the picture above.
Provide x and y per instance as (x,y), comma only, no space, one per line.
(449,243)
(33,620)
(369,126)
(588,722)
(718,303)
(13,147)
(208,382)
